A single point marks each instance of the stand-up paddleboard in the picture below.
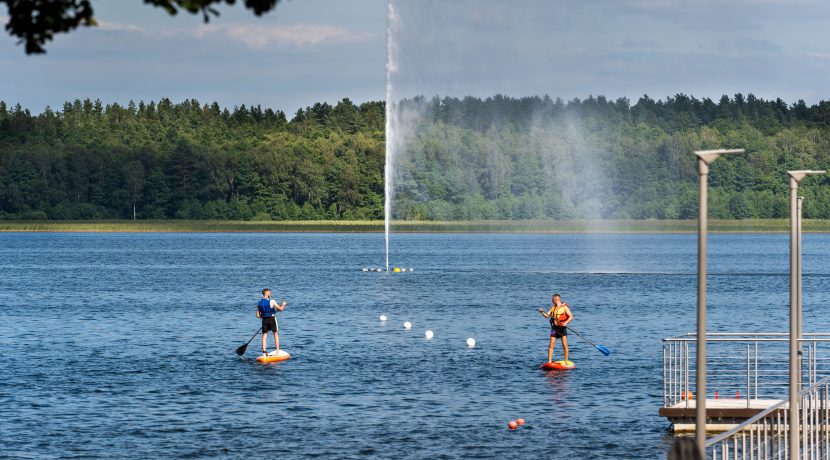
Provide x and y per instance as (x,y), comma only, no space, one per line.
(558,366)
(274,357)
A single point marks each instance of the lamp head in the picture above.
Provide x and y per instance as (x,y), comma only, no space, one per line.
(801,174)
(708,156)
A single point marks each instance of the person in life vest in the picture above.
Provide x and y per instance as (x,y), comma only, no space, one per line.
(266,309)
(560,316)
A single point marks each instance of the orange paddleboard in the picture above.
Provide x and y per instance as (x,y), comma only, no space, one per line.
(274,357)
(558,366)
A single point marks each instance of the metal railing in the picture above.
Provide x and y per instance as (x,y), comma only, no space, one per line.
(766,435)
(750,366)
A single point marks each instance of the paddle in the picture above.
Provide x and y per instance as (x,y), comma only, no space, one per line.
(602,348)
(241,350)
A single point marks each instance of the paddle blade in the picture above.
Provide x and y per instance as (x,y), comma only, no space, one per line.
(241,350)
(603,349)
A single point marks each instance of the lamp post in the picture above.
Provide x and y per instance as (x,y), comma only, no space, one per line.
(704,159)
(795,303)
(798,291)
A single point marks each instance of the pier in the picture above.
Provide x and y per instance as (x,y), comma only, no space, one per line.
(748,374)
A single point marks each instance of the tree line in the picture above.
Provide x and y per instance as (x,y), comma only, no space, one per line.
(454,158)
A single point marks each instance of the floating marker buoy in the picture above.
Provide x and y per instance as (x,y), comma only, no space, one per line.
(382,317)
(407,325)
(512,424)
(364,269)
(428,334)
(411,269)
(520,421)
(396,270)
(471,342)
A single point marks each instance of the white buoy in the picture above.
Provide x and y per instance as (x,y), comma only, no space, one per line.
(382,317)
(364,269)
(471,342)
(428,334)
(407,325)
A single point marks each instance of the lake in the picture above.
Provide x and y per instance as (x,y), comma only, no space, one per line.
(122,345)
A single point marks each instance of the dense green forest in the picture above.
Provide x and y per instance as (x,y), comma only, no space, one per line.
(470,158)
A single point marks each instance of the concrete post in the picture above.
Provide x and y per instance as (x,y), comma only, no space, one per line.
(794,445)
(704,158)
(795,302)
(798,291)
(700,384)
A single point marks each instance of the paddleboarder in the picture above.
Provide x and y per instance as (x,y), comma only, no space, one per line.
(266,309)
(560,316)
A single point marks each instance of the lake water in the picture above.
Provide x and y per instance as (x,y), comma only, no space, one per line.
(122,345)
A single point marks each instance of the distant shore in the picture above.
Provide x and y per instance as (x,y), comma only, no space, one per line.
(375,226)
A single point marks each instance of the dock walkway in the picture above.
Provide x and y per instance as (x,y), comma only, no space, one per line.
(722,414)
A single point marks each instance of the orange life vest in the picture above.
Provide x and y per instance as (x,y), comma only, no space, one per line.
(559,314)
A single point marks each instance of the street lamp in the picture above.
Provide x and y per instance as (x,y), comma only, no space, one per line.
(704,159)
(795,302)
(799,313)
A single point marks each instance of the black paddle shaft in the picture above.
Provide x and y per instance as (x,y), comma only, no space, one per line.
(241,350)
(602,348)
(581,336)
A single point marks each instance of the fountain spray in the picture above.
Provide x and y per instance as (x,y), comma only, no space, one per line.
(391,67)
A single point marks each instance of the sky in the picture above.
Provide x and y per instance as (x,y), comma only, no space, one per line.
(308,51)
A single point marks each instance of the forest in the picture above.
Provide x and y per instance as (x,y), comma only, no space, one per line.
(455,159)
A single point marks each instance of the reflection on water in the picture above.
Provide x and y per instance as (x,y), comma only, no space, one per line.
(558,383)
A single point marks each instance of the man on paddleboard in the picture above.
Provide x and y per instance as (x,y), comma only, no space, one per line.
(266,309)
(560,316)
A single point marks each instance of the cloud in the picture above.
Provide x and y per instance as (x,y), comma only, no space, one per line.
(255,36)
(654,4)
(746,45)
(301,35)
(632,43)
(119,27)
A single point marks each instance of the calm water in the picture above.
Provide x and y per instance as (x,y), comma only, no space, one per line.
(121,345)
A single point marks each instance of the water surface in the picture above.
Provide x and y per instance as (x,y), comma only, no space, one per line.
(121,345)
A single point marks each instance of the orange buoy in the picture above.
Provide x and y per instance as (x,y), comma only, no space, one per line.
(520,421)
(512,424)
(687,395)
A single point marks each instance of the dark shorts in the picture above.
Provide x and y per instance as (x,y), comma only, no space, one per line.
(269,324)
(558,331)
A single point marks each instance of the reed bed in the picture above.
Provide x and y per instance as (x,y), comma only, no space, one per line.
(373,226)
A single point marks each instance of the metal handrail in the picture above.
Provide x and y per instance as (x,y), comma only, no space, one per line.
(748,338)
(763,414)
(747,333)
(751,366)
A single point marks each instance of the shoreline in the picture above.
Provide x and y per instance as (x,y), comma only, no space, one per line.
(376,226)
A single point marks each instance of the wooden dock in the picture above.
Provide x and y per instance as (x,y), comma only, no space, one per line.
(721,414)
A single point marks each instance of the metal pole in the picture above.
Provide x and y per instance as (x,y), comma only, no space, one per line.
(795,300)
(793,434)
(799,290)
(704,157)
(700,384)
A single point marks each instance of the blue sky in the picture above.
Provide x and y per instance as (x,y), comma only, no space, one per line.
(323,50)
